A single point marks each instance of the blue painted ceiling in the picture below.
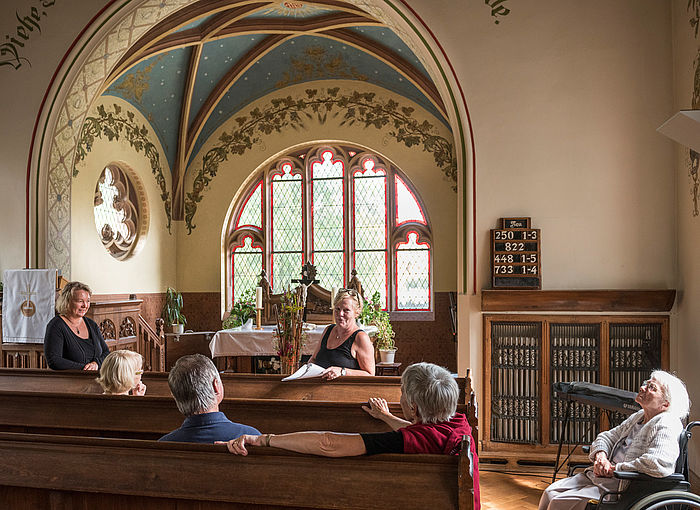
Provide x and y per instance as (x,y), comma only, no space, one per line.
(248,50)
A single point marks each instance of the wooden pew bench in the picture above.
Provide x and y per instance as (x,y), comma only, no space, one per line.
(245,386)
(149,417)
(343,389)
(47,472)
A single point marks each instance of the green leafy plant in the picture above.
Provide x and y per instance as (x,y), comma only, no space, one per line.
(372,314)
(241,311)
(172,309)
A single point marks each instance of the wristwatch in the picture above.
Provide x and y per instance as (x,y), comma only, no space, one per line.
(343,371)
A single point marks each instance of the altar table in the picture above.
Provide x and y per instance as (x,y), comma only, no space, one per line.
(252,342)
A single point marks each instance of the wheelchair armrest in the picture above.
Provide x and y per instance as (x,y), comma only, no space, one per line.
(632,475)
(575,467)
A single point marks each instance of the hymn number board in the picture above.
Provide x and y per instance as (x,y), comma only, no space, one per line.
(515,255)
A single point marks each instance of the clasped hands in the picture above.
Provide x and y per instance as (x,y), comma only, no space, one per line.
(602,466)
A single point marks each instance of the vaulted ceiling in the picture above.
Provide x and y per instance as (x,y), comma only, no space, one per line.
(198,67)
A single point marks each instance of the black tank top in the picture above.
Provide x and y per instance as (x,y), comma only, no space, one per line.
(341,356)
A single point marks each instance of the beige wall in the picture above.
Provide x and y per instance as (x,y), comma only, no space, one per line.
(151,268)
(21,93)
(687,322)
(199,262)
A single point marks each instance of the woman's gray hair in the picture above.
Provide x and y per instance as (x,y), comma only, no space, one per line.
(432,389)
(674,392)
(190,382)
(63,301)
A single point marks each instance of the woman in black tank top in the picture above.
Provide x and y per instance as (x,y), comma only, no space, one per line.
(345,349)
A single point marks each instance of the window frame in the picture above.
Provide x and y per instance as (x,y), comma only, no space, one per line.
(301,160)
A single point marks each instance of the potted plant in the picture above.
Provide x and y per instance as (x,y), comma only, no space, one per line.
(372,314)
(172,311)
(241,311)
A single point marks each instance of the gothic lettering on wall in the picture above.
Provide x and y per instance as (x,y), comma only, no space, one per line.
(288,112)
(27,22)
(113,125)
(498,9)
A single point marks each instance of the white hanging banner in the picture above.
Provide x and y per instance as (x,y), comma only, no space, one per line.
(28,304)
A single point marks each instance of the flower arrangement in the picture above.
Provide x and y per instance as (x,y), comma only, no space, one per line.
(289,336)
(241,311)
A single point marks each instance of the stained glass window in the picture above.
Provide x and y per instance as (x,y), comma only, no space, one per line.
(116,211)
(360,212)
(369,183)
(246,265)
(412,274)
(286,228)
(328,219)
(251,214)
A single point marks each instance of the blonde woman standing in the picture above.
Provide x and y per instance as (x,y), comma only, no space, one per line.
(73,341)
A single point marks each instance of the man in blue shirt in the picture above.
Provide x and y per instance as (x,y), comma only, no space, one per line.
(195,383)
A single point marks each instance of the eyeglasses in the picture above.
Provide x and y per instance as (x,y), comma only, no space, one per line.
(650,386)
(139,372)
(351,292)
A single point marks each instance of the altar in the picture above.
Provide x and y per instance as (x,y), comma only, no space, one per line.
(259,342)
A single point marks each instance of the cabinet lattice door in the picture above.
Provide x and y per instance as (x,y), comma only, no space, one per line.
(525,355)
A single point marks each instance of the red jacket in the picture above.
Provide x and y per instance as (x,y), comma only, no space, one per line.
(443,438)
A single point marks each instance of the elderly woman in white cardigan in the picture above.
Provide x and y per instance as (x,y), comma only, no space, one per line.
(646,442)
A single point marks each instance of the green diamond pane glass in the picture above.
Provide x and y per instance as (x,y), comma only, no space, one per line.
(252,211)
(371,270)
(370,210)
(285,268)
(247,266)
(407,208)
(328,214)
(329,266)
(327,167)
(412,275)
(286,213)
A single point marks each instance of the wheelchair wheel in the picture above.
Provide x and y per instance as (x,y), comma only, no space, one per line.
(668,500)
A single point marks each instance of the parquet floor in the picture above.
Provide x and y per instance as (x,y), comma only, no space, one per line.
(506,491)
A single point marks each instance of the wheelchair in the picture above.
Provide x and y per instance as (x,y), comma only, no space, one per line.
(645,492)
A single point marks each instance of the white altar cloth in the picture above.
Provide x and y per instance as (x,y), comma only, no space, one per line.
(252,342)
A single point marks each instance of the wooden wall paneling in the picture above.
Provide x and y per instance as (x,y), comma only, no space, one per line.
(577,300)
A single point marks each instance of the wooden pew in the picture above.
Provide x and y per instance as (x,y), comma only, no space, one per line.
(48,472)
(149,417)
(255,386)
(261,386)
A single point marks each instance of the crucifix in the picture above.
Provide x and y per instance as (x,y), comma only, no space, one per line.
(308,277)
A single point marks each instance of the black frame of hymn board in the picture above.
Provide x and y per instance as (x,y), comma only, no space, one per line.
(515,255)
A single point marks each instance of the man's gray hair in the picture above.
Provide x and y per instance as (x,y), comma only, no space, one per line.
(63,300)
(432,389)
(191,383)
(674,392)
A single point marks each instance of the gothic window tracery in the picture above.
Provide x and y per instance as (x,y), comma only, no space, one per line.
(342,208)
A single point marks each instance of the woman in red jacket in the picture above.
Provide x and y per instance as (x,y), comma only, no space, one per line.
(429,396)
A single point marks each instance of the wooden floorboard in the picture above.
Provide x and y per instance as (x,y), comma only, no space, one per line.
(509,491)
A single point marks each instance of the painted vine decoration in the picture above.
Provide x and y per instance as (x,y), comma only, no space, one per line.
(694,8)
(283,112)
(113,125)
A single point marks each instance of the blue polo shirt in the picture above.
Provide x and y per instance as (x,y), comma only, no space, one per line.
(207,428)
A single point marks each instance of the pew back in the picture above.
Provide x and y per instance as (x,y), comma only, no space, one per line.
(149,417)
(260,386)
(83,472)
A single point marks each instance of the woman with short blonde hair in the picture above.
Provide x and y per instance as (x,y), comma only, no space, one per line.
(73,341)
(121,372)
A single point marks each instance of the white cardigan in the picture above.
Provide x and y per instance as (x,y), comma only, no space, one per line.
(654,450)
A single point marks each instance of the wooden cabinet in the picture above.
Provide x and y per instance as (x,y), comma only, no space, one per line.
(525,354)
